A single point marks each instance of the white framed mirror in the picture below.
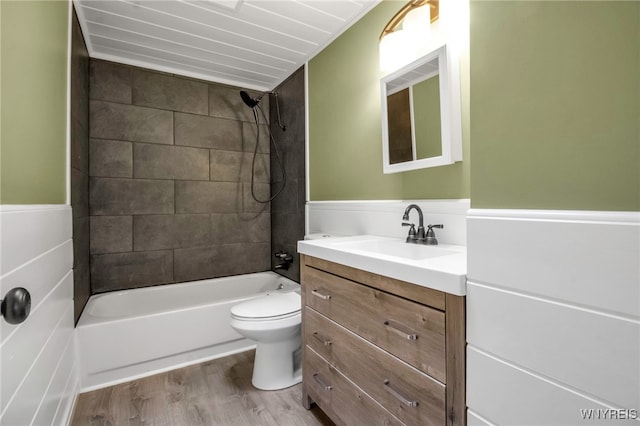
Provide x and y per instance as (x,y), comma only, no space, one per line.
(421,119)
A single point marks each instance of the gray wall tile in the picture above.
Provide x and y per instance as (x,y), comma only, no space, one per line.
(191,230)
(169,92)
(208,197)
(262,191)
(170,162)
(130,123)
(187,205)
(225,102)
(130,196)
(240,228)
(287,210)
(287,201)
(208,132)
(130,270)
(249,138)
(81,271)
(233,166)
(79,140)
(79,193)
(111,234)
(157,232)
(79,159)
(152,232)
(109,81)
(110,158)
(219,261)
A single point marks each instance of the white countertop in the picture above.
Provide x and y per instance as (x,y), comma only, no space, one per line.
(442,267)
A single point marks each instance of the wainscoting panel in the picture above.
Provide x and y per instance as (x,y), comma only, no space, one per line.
(553,317)
(384,218)
(559,341)
(588,259)
(474,419)
(504,394)
(29,231)
(38,368)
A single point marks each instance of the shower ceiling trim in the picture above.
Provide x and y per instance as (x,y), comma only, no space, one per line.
(254,44)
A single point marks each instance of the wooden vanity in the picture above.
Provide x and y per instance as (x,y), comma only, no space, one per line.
(379,351)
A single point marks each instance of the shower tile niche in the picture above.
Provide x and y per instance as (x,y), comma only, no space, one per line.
(169,180)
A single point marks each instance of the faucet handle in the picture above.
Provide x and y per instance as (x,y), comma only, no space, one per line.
(430,238)
(412,236)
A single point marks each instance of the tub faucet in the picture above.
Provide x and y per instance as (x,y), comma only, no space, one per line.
(286,260)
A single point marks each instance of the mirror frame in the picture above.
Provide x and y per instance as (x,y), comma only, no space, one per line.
(450,115)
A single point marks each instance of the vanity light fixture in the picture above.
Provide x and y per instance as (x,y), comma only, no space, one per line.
(412,6)
(406,32)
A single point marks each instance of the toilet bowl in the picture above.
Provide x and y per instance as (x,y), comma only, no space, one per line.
(273,321)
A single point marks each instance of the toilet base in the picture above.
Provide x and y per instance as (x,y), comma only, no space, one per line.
(277,365)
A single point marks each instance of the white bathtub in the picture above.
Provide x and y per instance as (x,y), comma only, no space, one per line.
(128,334)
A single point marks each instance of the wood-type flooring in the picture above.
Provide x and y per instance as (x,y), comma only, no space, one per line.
(217,392)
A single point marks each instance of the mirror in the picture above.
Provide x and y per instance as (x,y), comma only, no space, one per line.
(421,114)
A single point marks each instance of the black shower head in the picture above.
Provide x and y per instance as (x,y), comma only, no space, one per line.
(248,100)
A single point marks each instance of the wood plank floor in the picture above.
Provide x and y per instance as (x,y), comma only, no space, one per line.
(216,392)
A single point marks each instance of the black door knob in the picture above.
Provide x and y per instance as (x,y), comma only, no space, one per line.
(16,305)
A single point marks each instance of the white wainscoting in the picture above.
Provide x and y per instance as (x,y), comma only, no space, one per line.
(384,218)
(553,317)
(39,363)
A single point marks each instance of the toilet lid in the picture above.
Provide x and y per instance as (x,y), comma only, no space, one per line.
(270,305)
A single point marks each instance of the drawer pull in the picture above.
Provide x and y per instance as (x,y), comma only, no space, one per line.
(321,339)
(320,295)
(323,385)
(401,329)
(398,395)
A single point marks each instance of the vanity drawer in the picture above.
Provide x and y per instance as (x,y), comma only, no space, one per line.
(411,331)
(407,393)
(333,392)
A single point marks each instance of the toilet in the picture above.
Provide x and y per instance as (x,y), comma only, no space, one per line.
(273,321)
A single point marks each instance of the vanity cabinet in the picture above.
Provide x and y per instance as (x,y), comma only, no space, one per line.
(377,350)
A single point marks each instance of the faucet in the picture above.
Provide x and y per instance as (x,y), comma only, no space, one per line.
(286,259)
(414,237)
(419,236)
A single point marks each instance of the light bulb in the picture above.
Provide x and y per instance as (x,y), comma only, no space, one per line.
(418,21)
(393,50)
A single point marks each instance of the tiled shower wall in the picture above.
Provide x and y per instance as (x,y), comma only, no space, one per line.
(79,132)
(287,209)
(170,171)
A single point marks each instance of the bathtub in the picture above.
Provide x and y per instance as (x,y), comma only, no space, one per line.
(134,333)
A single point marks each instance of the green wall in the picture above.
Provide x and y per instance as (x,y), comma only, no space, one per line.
(555,101)
(345,135)
(34,102)
(555,105)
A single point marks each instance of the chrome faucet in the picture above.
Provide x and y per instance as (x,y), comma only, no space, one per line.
(419,236)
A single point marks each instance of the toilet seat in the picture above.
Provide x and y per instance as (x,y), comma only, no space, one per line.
(269,307)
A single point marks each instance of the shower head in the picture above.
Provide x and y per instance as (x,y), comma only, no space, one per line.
(253,103)
(248,100)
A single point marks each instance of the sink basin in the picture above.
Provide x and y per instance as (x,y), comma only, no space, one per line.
(398,249)
(442,267)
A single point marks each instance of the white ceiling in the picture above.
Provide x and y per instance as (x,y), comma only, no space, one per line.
(255,44)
